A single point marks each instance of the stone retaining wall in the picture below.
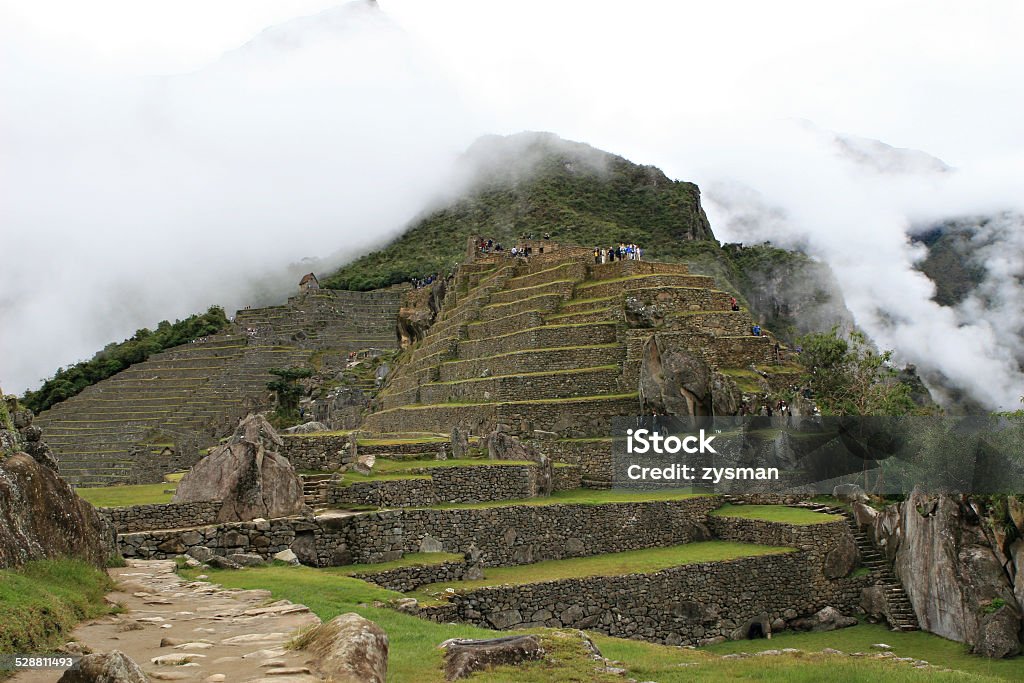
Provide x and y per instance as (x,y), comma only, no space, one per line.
(386,494)
(522,534)
(550,336)
(263,537)
(558,384)
(161,516)
(566,478)
(544,303)
(405,579)
(687,605)
(316,452)
(530,360)
(484,483)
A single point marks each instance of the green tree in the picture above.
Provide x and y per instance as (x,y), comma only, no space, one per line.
(849,377)
(288,391)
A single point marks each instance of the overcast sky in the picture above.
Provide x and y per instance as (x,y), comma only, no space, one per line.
(145,175)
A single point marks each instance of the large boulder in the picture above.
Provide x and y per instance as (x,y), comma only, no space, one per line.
(675,381)
(109,667)
(42,517)
(953,578)
(248,475)
(464,657)
(825,619)
(503,446)
(349,649)
(460,443)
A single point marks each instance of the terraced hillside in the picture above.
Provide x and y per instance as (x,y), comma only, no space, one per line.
(546,347)
(153,417)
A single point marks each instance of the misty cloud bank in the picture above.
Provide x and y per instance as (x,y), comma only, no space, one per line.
(855,204)
(128,201)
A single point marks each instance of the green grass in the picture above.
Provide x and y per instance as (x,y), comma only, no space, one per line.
(775,513)
(414,657)
(649,662)
(125,496)
(42,601)
(918,644)
(645,561)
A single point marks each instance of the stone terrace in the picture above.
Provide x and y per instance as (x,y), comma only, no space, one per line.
(154,416)
(544,345)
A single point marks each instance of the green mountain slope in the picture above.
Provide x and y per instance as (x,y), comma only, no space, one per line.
(536,183)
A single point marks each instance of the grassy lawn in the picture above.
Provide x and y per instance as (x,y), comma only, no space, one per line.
(581,497)
(42,601)
(645,561)
(918,644)
(124,496)
(414,657)
(775,513)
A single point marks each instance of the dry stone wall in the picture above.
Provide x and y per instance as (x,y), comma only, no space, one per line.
(316,452)
(686,605)
(161,516)
(405,579)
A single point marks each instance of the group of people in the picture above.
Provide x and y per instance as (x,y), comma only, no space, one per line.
(623,252)
(766,409)
(420,283)
(487,246)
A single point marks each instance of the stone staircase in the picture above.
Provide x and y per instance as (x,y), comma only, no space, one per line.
(545,346)
(315,488)
(901,612)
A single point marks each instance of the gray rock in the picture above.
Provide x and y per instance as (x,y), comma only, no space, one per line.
(674,381)
(842,559)
(110,667)
(287,556)
(429,544)
(200,552)
(503,446)
(252,480)
(349,648)
(460,443)
(247,559)
(825,619)
(503,619)
(308,428)
(464,657)
(218,562)
(849,493)
(950,572)
(363,464)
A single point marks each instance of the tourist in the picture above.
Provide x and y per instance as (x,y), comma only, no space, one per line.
(756,330)
(597,256)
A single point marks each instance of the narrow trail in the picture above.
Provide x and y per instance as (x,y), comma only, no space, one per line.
(207,633)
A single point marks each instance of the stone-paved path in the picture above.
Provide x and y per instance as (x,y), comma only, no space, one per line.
(181,631)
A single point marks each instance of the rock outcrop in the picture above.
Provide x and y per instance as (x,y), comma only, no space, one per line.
(419,311)
(464,657)
(349,649)
(18,434)
(248,474)
(42,517)
(950,570)
(675,381)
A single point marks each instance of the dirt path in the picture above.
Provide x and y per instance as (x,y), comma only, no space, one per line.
(208,633)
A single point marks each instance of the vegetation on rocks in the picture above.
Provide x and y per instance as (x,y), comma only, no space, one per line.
(42,601)
(287,391)
(531,184)
(849,377)
(115,357)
